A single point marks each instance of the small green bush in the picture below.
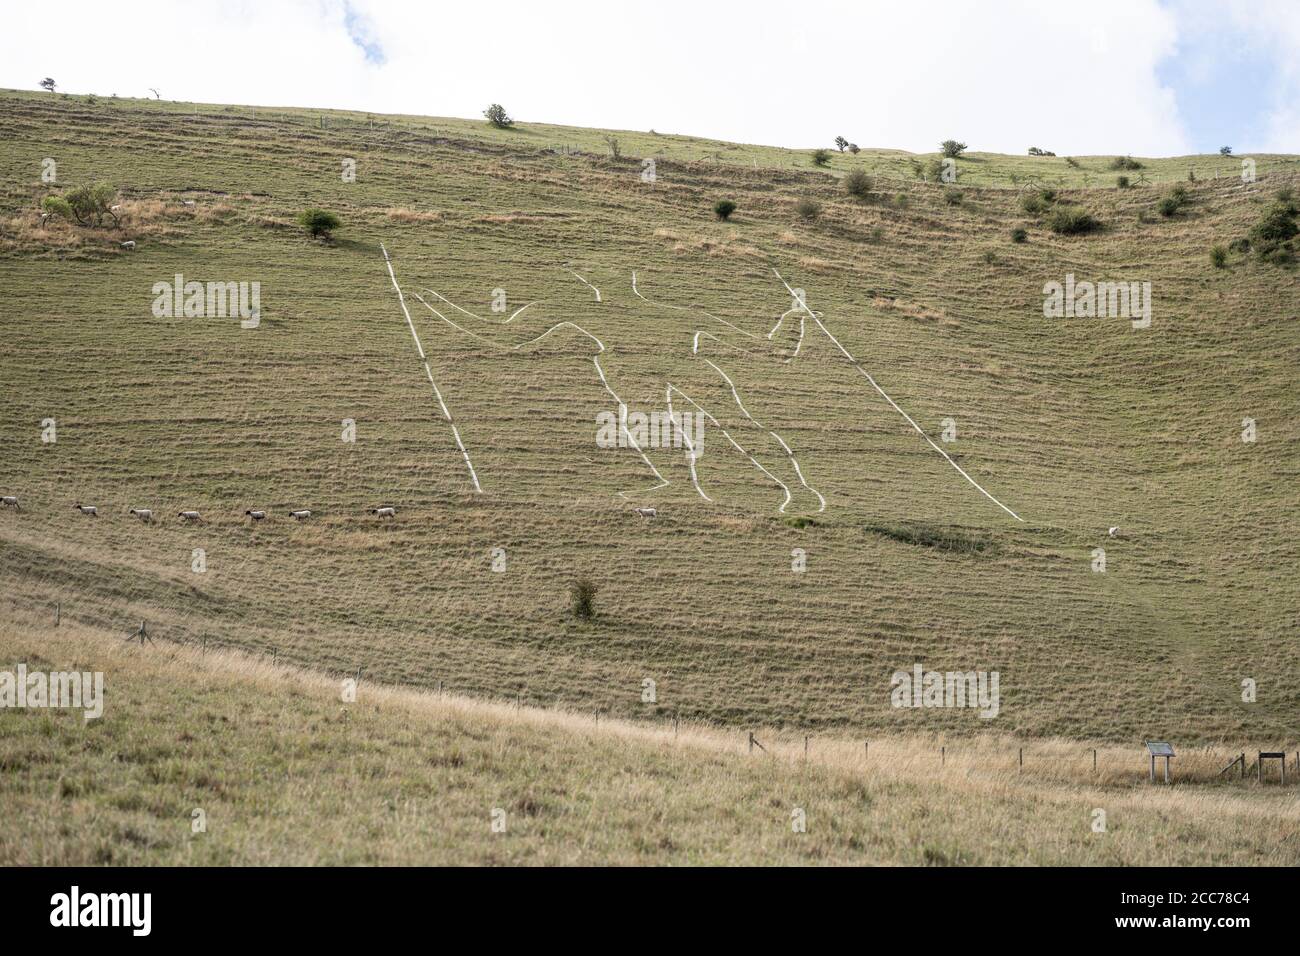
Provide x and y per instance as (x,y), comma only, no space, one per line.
(84,205)
(318,222)
(1125,162)
(821,157)
(1273,237)
(1038,203)
(1218,256)
(857,184)
(1173,202)
(1019,235)
(901,200)
(497,116)
(1122,182)
(952,196)
(952,148)
(808,209)
(1277,225)
(933,170)
(582,598)
(723,208)
(1071,221)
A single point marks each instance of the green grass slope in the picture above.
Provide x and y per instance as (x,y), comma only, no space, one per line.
(1077,425)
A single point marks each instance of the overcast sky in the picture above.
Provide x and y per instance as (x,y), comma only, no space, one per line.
(1092,76)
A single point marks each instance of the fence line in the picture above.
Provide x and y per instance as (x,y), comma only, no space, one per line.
(143,635)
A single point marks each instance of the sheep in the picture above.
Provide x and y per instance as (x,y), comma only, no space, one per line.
(189,516)
(88,510)
(144,514)
(302,515)
(10,501)
(256,515)
(646,512)
(188,202)
(129,245)
(116,208)
(1114,532)
(384,512)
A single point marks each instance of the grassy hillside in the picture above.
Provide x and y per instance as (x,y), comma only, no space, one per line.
(1076,425)
(283,771)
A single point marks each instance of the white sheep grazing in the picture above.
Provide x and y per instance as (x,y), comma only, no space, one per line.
(10,501)
(187,202)
(1114,532)
(256,515)
(646,512)
(300,515)
(129,244)
(117,208)
(384,512)
(88,510)
(144,514)
(189,516)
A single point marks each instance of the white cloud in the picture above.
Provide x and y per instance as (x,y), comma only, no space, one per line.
(1077,79)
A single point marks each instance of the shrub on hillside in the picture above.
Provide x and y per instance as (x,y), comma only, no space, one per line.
(84,205)
(808,209)
(1019,235)
(821,157)
(1173,201)
(497,116)
(1273,237)
(1122,182)
(952,196)
(933,170)
(1218,256)
(723,208)
(1125,162)
(857,183)
(951,148)
(318,222)
(1071,221)
(1039,202)
(582,598)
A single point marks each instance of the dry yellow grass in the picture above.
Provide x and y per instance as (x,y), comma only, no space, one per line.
(285,771)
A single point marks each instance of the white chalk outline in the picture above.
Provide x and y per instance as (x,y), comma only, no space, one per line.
(695,350)
(586,283)
(595,360)
(437,393)
(893,404)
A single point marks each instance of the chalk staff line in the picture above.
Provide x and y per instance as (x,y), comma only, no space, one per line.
(429,373)
(893,404)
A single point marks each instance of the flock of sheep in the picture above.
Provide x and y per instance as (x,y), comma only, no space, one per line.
(147,514)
